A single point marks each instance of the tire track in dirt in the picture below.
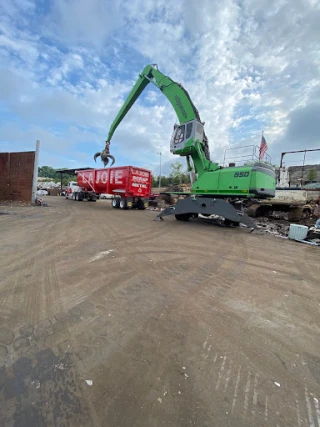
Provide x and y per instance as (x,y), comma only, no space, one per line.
(44,291)
(41,236)
(134,290)
(288,379)
(52,291)
(136,238)
(202,271)
(250,393)
(232,341)
(28,275)
(170,300)
(251,379)
(16,290)
(208,284)
(197,279)
(306,269)
(123,249)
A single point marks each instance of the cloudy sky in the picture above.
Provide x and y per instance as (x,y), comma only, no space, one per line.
(66,67)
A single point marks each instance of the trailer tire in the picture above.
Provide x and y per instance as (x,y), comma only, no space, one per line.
(115,203)
(123,204)
(140,205)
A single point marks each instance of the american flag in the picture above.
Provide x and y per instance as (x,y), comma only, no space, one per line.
(263,148)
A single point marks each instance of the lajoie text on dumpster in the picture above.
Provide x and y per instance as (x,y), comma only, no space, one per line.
(139,178)
(116,177)
(101,177)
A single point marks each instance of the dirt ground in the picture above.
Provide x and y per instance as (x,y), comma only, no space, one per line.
(108,318)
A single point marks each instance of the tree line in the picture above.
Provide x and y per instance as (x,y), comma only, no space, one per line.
(50,173)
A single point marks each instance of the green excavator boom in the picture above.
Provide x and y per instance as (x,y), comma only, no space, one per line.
(184,108)
(189,140)
(174,92)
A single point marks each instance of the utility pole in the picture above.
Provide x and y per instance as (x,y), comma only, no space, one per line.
(302,171)
(160,169)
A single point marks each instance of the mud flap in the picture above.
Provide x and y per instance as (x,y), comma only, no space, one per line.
(207,206)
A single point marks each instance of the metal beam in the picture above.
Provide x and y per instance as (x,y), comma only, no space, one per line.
(298,151)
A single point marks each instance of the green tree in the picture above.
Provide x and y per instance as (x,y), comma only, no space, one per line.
(68,178)
(155,181)
(176,172)
(47,172)
(312,174)
(185,178)
(50,173)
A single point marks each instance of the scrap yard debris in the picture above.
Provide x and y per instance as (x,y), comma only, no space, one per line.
(281,228)
(41,202)
(314,233)
(276,223)
(278,228)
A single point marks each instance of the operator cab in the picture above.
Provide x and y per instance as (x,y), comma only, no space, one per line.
(182,134)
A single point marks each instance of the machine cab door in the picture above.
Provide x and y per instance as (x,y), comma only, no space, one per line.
(185,135)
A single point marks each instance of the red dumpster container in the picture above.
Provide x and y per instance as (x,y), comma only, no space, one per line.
(129,184)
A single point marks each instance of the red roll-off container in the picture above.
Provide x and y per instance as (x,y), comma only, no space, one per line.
(125,181)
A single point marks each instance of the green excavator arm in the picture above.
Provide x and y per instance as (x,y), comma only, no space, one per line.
(174,92)
(189,140)
(189,144)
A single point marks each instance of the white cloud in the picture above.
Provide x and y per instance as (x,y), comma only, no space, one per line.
(83,21)
(248,66)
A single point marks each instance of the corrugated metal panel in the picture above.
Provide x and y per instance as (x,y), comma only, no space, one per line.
(16,174)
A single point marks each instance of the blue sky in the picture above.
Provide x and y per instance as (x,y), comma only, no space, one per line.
(67,66)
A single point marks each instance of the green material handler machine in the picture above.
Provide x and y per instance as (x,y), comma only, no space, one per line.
(216,188)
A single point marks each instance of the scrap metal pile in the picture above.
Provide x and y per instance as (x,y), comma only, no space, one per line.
(281,227)
(275,223)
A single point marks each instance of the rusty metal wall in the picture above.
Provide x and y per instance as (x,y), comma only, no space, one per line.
(16,174)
